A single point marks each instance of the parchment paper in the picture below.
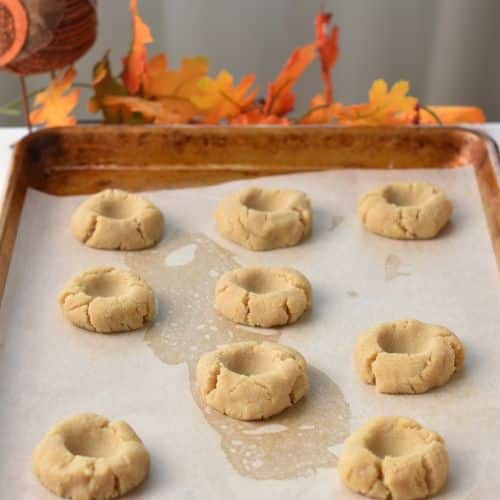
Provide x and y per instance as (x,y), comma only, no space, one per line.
(50,369)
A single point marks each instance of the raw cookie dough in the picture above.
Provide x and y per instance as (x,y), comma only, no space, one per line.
(108,300)
(263,296)
(394,457)
(405,211)
(252,381)
(117,220)
(408,356)
(86,457)
(263,219)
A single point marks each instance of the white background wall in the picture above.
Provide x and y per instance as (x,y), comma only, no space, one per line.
(448,49)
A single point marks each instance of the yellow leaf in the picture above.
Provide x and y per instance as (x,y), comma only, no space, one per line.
(219,99)
(55,103)
(385,107)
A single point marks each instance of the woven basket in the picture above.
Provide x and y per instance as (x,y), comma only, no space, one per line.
(38,36)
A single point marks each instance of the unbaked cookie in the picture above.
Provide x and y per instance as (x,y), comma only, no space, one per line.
(394,457)
(405,211)
(408,356)
(86,457)
(117,220)
(263,219)
(263,296)
(252,381)
(108,300)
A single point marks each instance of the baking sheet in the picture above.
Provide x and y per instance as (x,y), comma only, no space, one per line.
(50,369)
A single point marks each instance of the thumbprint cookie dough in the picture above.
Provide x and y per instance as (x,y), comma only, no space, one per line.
(263,296)
(408,356)
(252,381)
(108,300)
(394,457)
(263,219)
(86,457)
(117,220)
(405,211)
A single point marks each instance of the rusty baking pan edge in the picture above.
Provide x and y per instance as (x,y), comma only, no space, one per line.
(80,160)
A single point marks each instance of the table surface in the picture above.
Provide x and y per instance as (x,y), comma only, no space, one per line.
(9,135)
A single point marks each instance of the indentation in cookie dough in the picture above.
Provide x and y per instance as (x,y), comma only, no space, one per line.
(392,268)
(263,219)
(185,324)
(106,285)
(86,456)
(257,362)
(108,300)
(118,208)
(117,220)
(396,442)
(251,380)
(408,343)
(263,296)
(408,356)
(97,443)
(268,200)
(394,457)
(405,210)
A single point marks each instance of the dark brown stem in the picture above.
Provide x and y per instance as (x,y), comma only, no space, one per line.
(26,102)
(432,113)
(311,110)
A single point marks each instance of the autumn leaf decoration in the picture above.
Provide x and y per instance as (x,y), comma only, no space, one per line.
(55,103)
(149,90)
(134,63)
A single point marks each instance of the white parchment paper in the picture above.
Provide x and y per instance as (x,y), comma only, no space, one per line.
(50,370)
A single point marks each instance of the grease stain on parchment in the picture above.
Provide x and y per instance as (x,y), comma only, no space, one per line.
(335,220)
(292,444)
(393,267)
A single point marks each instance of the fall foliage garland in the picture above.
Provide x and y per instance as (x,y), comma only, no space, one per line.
(149,91)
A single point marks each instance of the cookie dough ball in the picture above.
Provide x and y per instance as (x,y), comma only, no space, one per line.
(108,300)
(408,356)
(117,220)
(263,296)
(263,219)
(86,457)
(394,457)
(252,381)
(405,211)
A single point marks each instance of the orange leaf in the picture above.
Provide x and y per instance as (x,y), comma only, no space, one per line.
(134,64)
(385,107)
(257,117)
(328,49)
(280,99)
(219,99)
(55,103)
(159,82)
(168,111)
(452,114)
(320,111)
(106,85)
